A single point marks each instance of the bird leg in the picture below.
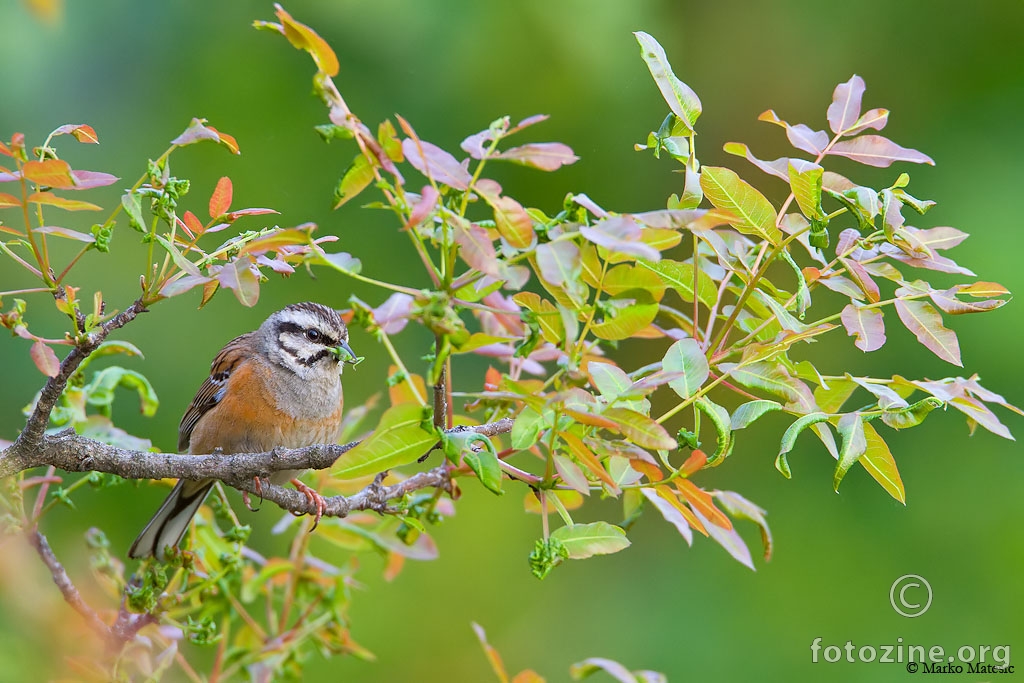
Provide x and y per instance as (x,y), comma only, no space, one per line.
(315,498)
(259,492)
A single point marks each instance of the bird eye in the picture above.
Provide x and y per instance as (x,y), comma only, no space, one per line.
(313,334)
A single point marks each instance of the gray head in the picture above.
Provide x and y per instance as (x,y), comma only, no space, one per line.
(309,339)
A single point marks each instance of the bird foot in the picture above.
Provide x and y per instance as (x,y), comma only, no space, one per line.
(315,498)
(258,484)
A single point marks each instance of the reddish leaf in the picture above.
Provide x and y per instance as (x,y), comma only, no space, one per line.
(866,325)
(845,108)
(558,262)
(65,232)
(220,200)
(435,163)
(589,460)
(227,140)
(546,156)
(45,359)
(235,215)
(62,203)
(670,512)
(86,180)
(862,279)
(192,224)
(700,500)
(7,200)
(513,222)
(54,173)
(667,494)
(82,132)
(5,150)
(925,323)
(876,150)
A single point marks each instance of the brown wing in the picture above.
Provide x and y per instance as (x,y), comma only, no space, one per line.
(210,393)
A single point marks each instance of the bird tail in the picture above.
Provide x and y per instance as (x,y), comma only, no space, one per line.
(170,522)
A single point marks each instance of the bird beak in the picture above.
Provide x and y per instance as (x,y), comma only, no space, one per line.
(344,353)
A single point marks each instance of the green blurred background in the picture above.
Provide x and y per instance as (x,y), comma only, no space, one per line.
(953,76)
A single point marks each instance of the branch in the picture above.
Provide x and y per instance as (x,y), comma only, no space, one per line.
(68,451)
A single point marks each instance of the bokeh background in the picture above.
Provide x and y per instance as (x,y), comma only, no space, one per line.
(953,75)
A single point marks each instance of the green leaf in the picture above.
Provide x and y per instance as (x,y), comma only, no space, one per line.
(679,276)
(526,429)
(785,319)
(608,379)
(805,180)
(587,667)
(357,177)
(100,391)
(851,428)
(912,415)
(399,439)
(743,416)
(681,99)
(132,204)
(879,463)
(640,429)
(752,213)
(719,417)
(789,440)
(768,376)
(686,356)
(586,540)
(486,467)
(626,322)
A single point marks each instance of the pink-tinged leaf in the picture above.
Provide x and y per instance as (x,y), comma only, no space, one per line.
(947,301)
(65,232)
(86,180)
(477,144)
(546,156)
(801,136)
(274,241)
(196,132)
(670,513)
(529,121)
(936,262)
(939,238)
(513,223)
(5,150)
(54,173)
(974,386)
(622,235)
(836,183)
(925,323)
(51,199)
(581,670)
(778,168)
(572,475)
(739,507)
(863,280)
(880,464)
(81,132)
(8,176)
(979,412)
(669,219)
(476,247)
(590,205)
(845,108)
(238,276)
(558,262)
(343,262)
(681,99)
(728,539)
(497,666)
(183,284)
(866,324)
(435,163)
(275,264)
(235,215)
(45,359)
(8,200)
(876,119)
(423,208)
(220,200)
(393,315)
(879,151)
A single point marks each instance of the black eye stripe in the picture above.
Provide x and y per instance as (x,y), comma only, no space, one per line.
(289,327)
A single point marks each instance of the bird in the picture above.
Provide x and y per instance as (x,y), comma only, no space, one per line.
(278,386)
